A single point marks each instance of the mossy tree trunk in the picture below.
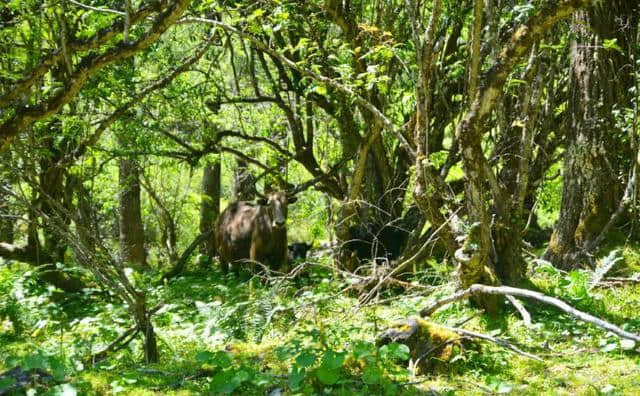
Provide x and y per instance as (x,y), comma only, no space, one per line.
(210,204)
(477,259)
(596,161)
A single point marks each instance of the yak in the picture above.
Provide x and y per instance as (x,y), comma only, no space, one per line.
(254,233)
(299,250)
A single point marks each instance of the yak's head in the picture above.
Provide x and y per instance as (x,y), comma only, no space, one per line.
(277,203)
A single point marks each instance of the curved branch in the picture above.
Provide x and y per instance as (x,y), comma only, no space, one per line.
(27,115)
(468,131)
(388,124)
(222,134)
(101,37)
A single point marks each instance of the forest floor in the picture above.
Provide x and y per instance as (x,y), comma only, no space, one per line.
(230,335)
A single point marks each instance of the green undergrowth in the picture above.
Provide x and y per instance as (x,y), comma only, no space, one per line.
(232,334)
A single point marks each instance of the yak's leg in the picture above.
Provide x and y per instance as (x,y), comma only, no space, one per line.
(281,261)
(254,257)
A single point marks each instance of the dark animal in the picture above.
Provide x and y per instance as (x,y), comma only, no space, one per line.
(375,241)
(382,241)
(298,251)
(254,232)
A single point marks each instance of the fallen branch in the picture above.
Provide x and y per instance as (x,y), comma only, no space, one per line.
(526,317)
(495,340)
(513,291)
(608,282)
(407,262)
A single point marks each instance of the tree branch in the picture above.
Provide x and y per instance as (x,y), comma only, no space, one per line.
(88,7)
(107,122)
(98,39)
(27,115)
(513,291)
(388,124)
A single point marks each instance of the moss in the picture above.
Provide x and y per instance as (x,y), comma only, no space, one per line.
(432,346)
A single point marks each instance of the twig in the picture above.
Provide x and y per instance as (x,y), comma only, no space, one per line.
(506,290)
(388,124)
(115,345)
(180,264)
(495,340)
(465,320)
(88,7)
(122,340)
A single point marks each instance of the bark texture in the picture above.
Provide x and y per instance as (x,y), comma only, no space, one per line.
(476,258)
(132,249)
(210,205)
(596,162)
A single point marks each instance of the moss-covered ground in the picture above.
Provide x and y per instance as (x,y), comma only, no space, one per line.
(234,335)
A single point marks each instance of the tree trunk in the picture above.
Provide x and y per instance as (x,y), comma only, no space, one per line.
(132,250)
(142,317)
(210,205)
(595,162)
(476,259)
(52,201)
(7,222)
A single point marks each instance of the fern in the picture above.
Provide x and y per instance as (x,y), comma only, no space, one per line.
(606,265)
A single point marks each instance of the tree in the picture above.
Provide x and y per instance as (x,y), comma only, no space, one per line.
(15,101)
(597,160)
(210,204)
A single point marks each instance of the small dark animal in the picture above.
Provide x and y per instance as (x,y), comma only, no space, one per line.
(376,242)
(382,241)
(298,251)
(258,233)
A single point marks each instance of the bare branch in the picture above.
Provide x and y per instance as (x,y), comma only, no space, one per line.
(166,80)
(513,291)
(495,340)
(98,39)
(98,9)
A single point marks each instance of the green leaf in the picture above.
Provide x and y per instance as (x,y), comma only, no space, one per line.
(498,385)
(321,90)
(36,361)
(395,351)
(58,370)
(612,44)
(204,356)
(5,383)
(363,349)
(306,359)
(63,390)
(296,377)
(228,381)
(222,359)
(332,359)
(327,376)
(371,374)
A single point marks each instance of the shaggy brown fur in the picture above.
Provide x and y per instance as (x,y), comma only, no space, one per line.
(254,233)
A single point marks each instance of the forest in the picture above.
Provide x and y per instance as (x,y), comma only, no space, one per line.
(314,197)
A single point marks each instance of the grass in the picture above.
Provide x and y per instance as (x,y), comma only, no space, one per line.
(222,334)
